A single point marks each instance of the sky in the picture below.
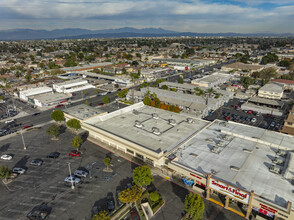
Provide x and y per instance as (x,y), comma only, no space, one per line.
(201,16)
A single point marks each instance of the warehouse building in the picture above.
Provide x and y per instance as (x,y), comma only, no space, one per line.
(212,80)
(24,94)
(227,161)
(72,86)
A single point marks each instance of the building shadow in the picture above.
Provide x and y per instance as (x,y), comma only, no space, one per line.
(4,148)
(22,162)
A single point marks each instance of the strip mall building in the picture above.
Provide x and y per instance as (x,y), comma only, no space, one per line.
(235,164)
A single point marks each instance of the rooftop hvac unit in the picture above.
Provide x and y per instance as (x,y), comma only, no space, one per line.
(193,154)
(275,169)
(135,112)
(209,140)
(221,143)
(278,160)
(234,168)
(227,137)
(172,122)
(216,149)
(155,131)
(282,153)
(247,150)
(190,120)
(138,124)
(155,116)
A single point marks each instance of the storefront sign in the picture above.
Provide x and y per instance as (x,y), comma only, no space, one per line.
(267,208)
(264,212)
(229,190)
(195,176)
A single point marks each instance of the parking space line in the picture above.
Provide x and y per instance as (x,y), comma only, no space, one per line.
(64,200)
(17,211)
(44,192)
(28,204)
(38,198)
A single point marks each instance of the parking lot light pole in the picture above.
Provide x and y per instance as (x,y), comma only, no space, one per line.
(24,145)
(71,180)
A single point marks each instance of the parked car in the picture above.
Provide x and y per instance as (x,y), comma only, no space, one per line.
(253,120)
(250,111)
(18,170)
(39,212)
(37,162)
(96,209)
(74,153)
(9,121)
(6,157)
(58,106)
(53,155)
(72,179)
(272,124)
(278,126)
(27,126)
(110,204)
(37,113)
(81,173)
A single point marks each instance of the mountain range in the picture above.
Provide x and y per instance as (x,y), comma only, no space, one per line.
(77,33)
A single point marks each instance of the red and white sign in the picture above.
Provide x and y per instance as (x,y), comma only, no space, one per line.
(237,194)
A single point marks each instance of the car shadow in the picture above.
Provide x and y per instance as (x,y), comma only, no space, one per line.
(22,162)
(4,147)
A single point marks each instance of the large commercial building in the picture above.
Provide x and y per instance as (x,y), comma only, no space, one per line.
(24,94)
(212,80)
(242,67)
(232,162)
(184,62)
(72,86)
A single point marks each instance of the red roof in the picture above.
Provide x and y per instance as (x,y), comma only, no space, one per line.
(285,81)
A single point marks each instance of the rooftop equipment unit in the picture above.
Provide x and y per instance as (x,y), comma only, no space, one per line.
(155,131)
(138,124)
(282,153)
(172,122)
(216,149)
(155,116)
(190,120)
(278,160)
(275,169)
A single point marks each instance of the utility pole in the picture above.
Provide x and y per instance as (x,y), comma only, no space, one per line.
(71,180)
(24,145)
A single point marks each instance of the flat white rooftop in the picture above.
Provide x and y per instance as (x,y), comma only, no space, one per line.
(138,123)
(242,155)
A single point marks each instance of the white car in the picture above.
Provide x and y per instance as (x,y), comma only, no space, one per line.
(6,157)
(253,120)
(9,121)
(72,179)
(18,170)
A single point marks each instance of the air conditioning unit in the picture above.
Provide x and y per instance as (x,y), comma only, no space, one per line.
(275,169)
(278,160)
(282,153)
(216,149)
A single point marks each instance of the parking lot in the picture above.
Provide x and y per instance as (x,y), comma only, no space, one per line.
(231,112)
(45,183)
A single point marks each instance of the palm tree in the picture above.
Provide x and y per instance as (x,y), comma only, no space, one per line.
(210,91)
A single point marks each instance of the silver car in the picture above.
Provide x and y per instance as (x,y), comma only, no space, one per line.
(18,170)
(72,179)
(81,173)
(36,162)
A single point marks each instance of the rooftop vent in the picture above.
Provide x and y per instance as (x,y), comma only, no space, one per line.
(135,112)
(209,140)
(234,168)
(155,131)
(190,120)
(172,122)
(282,153)
(155,116)
(278,160)
(216,149)
(138,124)
(275,169)
(247,150)
(221,143)
(192,154)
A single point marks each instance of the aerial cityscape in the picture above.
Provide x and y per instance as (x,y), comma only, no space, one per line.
(138,110)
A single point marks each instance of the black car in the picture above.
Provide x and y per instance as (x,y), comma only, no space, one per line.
(39,212)
(110,203)
(35,114)
(53,155)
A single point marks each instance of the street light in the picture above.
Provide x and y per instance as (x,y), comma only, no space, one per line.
(71,180)
(24,145)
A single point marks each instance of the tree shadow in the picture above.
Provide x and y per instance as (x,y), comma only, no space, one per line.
(62,129)
(4,147)
(84,136)
(123,184)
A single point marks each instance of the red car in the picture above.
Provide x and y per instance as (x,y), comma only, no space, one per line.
(57,106)
(28,126)
(228,118)
(74,153)
(250,111)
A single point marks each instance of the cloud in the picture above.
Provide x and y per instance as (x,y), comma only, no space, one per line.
(188,15)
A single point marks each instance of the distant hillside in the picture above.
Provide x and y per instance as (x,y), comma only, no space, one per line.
(76,33)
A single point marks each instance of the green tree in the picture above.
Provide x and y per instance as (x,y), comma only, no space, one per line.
(142,176)
(4,172)
(147,100)
(102,215)
(154,196)
(76,142)
(105,99)
(130,195)
(180,80)
(269,58)
(87,102)
(194,206)
(246,81)
(164,87)
(28,77)
(74,123)
(57,115)
(53,130)
(210,91)
(106,161)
